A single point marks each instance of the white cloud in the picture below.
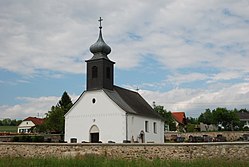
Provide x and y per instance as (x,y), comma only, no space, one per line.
(178,79)
(30,107)
(193,101)
(53,37)
(56,35)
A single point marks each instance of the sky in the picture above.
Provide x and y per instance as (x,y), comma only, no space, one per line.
(185,55)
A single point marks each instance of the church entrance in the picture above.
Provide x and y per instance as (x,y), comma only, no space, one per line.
(141,136)
(94,134)
(94,137)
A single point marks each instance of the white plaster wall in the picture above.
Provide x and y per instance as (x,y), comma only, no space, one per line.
(137,123)
(25,125)
(104,113)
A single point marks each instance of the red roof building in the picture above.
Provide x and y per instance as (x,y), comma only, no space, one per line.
(36,121)
(180,119)
(27,124)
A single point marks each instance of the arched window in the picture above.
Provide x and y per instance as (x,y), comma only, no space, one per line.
(108,73)
(94,72)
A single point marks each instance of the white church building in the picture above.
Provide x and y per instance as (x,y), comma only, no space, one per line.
(107,113)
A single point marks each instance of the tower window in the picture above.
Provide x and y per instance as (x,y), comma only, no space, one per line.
(94,72)
(108,73)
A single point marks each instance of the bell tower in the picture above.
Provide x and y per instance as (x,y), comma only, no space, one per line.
(100,67)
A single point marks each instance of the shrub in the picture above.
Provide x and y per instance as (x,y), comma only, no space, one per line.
(37,138)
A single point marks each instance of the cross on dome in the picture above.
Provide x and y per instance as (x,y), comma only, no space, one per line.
(100,19)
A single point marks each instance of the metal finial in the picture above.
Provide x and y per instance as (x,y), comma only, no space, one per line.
(100,19)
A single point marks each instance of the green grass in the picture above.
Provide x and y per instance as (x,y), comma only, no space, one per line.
(8,128)
(100,161)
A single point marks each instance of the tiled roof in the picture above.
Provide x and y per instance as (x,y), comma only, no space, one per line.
(179,117)
(36,121)
(131,102)
(243,115)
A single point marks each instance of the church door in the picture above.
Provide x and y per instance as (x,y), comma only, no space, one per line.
(94,134)
(142,137)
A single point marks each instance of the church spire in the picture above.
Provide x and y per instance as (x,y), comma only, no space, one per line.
(100,68)
(100,49)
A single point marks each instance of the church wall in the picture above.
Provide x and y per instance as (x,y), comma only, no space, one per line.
(102,112)
(136,124)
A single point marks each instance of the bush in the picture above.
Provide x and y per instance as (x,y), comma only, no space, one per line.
(37,138)
(15,139)
(27,138)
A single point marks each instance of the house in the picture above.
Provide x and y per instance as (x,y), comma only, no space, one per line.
(244,118)
(105,112)
(180,120)
(28,124)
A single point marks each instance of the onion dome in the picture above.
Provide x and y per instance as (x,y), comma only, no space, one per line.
(100,47)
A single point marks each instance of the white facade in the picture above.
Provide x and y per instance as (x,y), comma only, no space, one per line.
(138,131)
(95,113)
(108,113)
(25,127)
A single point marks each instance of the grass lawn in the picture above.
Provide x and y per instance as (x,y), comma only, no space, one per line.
(98,161)
(8,128)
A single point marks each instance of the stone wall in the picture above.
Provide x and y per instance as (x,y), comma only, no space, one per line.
(230,135)
(184,151)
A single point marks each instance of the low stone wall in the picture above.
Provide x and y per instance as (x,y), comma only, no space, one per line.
(184,151)
(230,135)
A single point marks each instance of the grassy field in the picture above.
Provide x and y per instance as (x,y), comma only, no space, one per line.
(8,128)
(96,161)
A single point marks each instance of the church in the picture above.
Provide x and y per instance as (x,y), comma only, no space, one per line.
(106,113)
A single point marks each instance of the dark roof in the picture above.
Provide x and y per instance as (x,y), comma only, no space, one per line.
(243,115)
(36,121)
(131,102)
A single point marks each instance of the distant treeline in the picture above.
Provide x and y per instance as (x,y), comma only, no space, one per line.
(10,122)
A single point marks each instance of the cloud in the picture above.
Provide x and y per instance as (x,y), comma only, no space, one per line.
(193,101)
(192,41)
(30,106)
(56,36)
(178,79)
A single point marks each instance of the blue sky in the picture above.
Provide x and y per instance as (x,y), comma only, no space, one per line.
(185,55)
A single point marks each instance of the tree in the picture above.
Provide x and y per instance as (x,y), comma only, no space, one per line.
(192,124)
(206,117)
(55,121)
(221,117)
(166,115)
(192,120)
(6,122)
(65,102)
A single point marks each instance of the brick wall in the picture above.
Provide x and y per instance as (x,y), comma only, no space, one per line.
(184,151)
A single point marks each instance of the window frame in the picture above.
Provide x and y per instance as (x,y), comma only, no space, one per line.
(154,127)
(146,124)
